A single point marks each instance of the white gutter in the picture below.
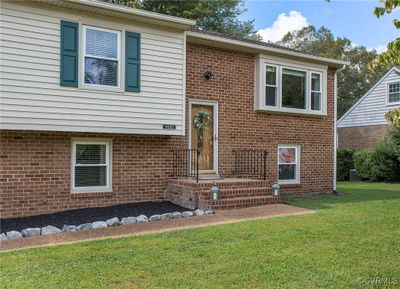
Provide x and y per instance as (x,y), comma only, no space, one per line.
(335,135)
(215,38)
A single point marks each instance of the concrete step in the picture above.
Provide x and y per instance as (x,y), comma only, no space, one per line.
(239,193)
(235,203)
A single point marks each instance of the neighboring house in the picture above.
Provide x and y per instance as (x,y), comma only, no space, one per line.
(364,124)
(98,103)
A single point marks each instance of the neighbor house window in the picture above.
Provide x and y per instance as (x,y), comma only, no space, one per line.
(290,89)
(271,86)
(91,165)
(394,92)
(101,64)
(288,164)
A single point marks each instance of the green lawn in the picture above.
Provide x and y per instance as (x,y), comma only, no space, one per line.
(354,237)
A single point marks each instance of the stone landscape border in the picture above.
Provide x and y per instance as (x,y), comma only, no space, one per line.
(50,230)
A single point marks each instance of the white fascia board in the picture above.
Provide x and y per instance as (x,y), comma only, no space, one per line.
(111,9)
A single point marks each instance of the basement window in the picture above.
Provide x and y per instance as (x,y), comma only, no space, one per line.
(288,164)
(91,170)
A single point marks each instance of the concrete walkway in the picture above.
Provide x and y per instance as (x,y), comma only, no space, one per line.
(221,217)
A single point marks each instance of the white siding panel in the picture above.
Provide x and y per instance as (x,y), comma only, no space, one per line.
(32,99)
(372,108)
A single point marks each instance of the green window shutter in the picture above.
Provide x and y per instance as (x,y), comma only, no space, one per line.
(69,54)
(132,61)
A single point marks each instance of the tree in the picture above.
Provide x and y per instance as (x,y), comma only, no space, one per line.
(356,78)
(392,56)
(217,15)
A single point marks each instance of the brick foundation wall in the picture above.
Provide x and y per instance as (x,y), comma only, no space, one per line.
(35,171)
(360,137)
(35,166)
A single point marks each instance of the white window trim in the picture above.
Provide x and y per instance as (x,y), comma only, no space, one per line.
(98,189)
(82,60)
(297,179)
(387,94)
(262,61)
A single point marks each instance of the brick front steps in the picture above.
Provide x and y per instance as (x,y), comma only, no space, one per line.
(234,193)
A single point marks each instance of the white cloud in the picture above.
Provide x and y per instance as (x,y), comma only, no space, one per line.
(283,24)
(379,49)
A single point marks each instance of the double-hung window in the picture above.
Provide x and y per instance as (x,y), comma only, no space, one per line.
(91,171)
(101,57)
(271,85)
(394,92)
(288,164)
(316,91)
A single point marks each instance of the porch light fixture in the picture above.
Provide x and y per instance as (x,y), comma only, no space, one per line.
(207,74)
(275,189)
(214,192)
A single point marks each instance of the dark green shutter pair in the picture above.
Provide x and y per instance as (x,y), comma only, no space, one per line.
(70,57)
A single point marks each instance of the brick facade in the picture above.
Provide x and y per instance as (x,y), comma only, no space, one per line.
(232,86)
(360,137)
(35,166)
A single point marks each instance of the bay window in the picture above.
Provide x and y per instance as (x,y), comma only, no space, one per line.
(290,88)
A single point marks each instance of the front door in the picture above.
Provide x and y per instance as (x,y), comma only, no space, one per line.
(204,134)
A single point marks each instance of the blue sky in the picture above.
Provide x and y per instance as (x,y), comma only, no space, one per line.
(352,19)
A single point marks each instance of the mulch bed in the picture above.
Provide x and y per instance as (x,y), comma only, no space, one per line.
(89,215)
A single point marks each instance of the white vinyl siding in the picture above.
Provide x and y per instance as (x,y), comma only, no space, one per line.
(371,108)
(32,98)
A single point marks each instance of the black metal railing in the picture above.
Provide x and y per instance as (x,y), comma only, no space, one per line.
(251,163)
(185,163)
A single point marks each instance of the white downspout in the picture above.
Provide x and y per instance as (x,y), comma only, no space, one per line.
(335,135)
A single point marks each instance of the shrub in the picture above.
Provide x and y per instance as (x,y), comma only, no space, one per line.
(381,163)
(344,163)
(364,165)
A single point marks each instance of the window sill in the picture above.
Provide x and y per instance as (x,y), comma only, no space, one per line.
(100,87)
(291,111)
(78,195)
(393,103)
(289,184)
